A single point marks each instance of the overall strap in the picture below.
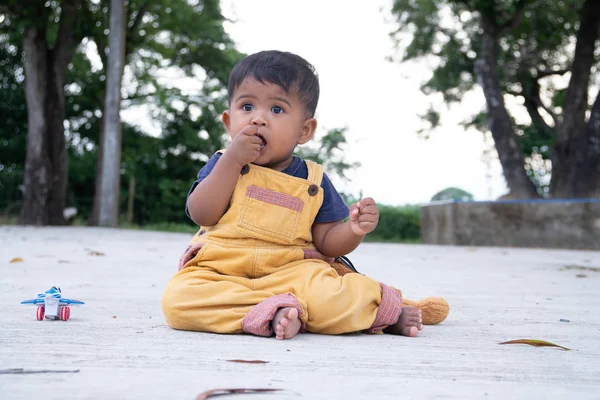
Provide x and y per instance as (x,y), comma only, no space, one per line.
(315,172)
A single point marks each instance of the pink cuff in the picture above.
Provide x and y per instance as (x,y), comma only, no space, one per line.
(316,254)
(258,320)
(389,309)
(189,254)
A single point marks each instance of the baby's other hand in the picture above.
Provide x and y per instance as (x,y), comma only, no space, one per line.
(364,216)
(245,146)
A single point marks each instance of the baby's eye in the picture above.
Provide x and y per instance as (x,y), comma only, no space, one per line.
(247,107)
(277,110)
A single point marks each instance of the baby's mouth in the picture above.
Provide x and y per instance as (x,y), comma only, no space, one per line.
(263,143)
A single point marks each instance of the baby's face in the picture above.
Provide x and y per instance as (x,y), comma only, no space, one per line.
(280,117)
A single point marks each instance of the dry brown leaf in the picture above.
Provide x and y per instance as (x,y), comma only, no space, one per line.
(95,253)
(249,361)
(217,392)
(580,268)
(16,259)
(535,343)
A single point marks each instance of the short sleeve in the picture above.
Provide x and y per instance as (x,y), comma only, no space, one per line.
(202,174)
(333,208)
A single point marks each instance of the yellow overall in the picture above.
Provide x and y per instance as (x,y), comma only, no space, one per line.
(260,257)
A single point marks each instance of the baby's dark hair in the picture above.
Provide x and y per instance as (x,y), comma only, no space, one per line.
(284,69)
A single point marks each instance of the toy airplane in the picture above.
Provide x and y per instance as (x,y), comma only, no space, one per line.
(52,305)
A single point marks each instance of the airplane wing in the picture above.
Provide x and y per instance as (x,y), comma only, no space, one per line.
(71,301)
(33,301)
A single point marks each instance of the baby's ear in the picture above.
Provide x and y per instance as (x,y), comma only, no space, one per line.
(308,131)
(226,118)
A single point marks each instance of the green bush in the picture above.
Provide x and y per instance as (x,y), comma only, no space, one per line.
(397,224)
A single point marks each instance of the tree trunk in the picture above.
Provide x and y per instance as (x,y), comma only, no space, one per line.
(38,167)
(570,153)
(46,173)
(585,165)
(108,210)
(45,178)
(130,34)
(499,122)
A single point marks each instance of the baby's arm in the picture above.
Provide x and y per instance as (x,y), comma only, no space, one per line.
(339,238)
(210,199)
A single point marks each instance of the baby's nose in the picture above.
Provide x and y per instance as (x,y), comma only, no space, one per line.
(258,120)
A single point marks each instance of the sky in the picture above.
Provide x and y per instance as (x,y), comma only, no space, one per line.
(379,102)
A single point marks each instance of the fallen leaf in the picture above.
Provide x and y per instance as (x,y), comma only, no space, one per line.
(218,392)
(39,371)
(580,268)
(16,259)
(114,316)
(249,361)
(535,343)
(95,253)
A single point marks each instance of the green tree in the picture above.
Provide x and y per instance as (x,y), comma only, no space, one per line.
(49,33)
(518,48)
(452,193)
(163,35)
(170,37)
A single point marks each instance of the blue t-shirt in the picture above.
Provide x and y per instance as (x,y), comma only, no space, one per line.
(333,207)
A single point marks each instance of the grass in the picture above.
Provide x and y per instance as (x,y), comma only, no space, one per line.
(8,220)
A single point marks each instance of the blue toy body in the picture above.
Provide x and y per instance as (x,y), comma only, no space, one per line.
(52,305)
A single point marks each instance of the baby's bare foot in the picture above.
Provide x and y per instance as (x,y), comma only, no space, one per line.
(286,323)
(409,323)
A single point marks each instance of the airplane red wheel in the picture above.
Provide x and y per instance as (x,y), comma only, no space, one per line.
(40,313)
(65,313)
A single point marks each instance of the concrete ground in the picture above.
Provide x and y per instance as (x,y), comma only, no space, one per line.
(117,345)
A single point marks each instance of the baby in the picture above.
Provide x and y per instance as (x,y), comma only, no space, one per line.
(271,224)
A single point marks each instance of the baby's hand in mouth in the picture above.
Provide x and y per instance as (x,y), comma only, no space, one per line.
(263,143)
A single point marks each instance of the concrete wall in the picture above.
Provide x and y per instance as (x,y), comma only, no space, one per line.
(568,224)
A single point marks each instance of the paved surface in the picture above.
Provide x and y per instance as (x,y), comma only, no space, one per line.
(117,346)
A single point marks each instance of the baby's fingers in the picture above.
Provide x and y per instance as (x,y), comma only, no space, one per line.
(362,217)
(367,226)
(367,201)
(250,130)
(369,209)
(354,212)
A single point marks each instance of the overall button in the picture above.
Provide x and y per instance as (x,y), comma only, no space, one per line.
(245,169)
(313,190)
